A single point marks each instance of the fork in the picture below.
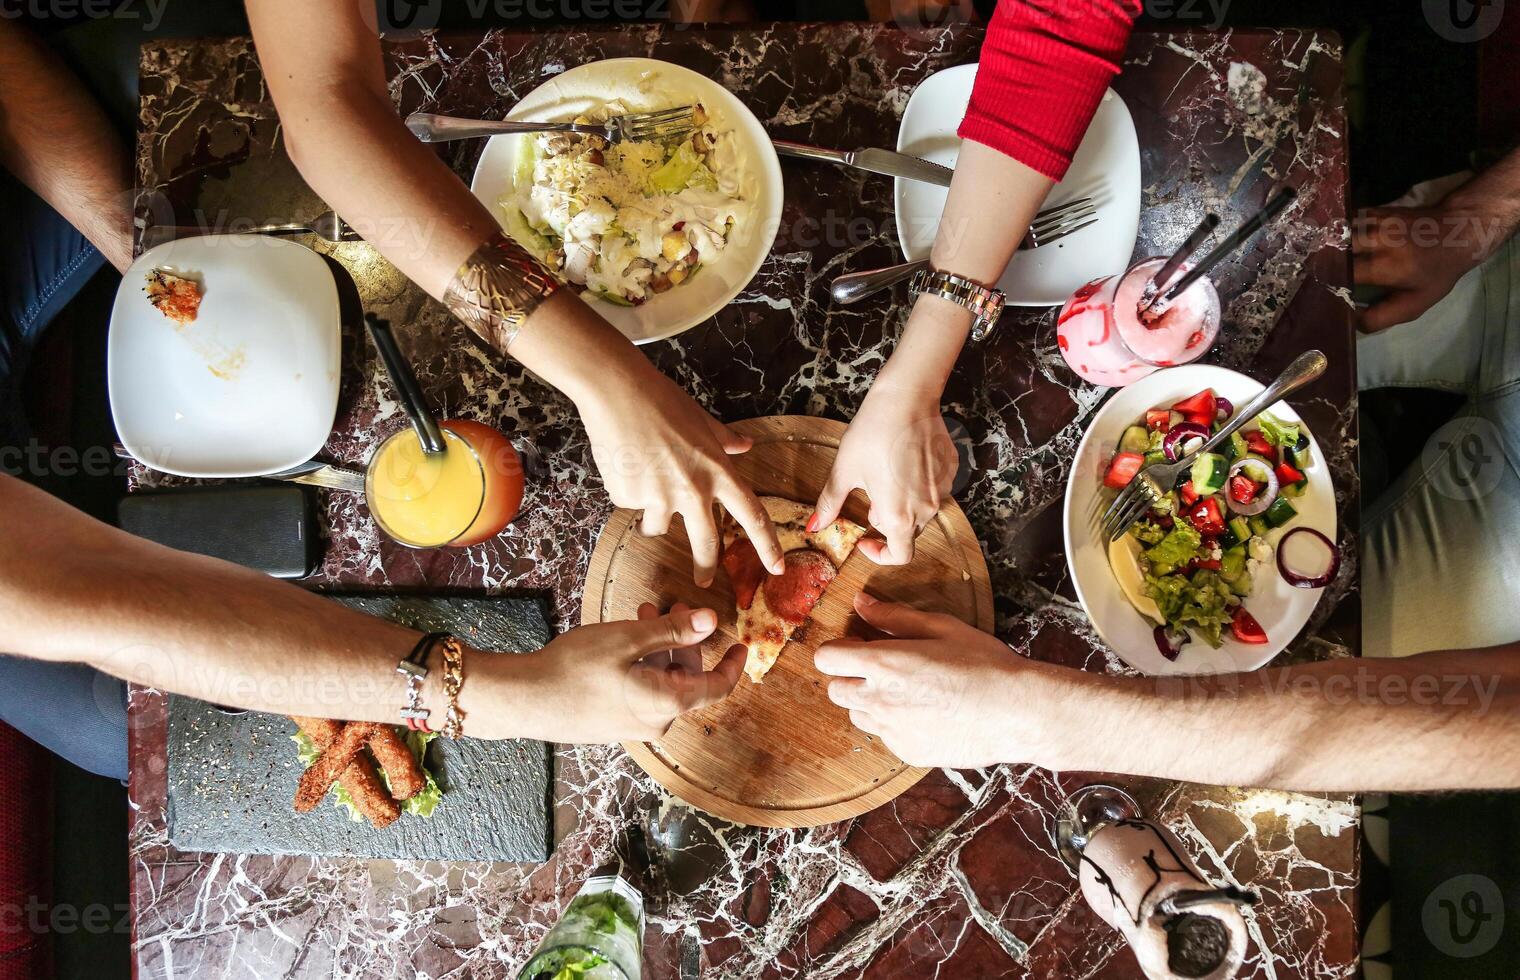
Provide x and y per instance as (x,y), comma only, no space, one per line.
(325,225)
(1152,482)
(663,124)
(1048,226)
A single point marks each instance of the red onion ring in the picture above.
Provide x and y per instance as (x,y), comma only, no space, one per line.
(1308,581)
(1171,444)
(1263,500)
(1223,408)
(1170,642)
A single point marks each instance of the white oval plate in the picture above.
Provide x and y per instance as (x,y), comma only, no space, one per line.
(645,83)
(1281,609)
(251,385)
(1106,168)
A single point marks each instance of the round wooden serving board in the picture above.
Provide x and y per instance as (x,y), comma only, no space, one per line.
(781,754)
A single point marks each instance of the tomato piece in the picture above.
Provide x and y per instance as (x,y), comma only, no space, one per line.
(1187,494)
(1122,470)
(1258,444)
(1198,418)
(1243,489)
(1207,517)
(1288,474)
(1202,404)
(1158,419)
(1246,628)
(1212,564)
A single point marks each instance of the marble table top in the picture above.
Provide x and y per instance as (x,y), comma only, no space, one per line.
(958,877)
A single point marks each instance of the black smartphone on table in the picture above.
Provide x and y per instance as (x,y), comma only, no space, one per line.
(269,528)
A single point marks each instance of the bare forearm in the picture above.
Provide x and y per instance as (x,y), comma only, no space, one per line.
(73,589)
(58,142)
(1439,721)
(1493,200)
(992,200)
(326,75)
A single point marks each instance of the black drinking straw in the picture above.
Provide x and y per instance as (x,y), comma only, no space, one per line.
(399,370)
(1233,241)
(1169,268)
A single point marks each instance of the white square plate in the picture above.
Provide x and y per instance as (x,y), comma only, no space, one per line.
(1106,168)
(1281,609)
(251,385)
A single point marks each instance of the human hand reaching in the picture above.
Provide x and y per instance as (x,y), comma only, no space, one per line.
(624,681)
(899,452)
(937,691)
(659,452)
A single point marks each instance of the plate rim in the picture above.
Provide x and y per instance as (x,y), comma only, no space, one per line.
(113,351)
(774,428)
(1269,651)
(768,160)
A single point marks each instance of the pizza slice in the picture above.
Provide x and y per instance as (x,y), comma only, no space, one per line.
(771,607)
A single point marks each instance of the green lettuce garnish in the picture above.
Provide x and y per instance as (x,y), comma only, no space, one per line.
(1276,431)
(1180,544)
(421,805)
(678,171)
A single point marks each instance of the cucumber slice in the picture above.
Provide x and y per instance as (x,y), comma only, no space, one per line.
(1293,489)
(1232,563)
(1281,512)
(1136,439)
(1259,527)
(1234,447)
(1155,457)
(1208,473)
(1240,529)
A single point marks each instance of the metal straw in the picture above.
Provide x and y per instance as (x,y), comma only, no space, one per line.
(1188,898)
(1231,242)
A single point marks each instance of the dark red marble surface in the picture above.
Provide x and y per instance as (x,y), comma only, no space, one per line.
(958,877)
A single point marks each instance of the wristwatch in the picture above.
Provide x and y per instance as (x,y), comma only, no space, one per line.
(986,305)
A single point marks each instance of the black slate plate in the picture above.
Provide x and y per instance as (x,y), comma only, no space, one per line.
(232,778)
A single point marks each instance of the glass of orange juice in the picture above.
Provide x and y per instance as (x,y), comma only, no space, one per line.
(456,498)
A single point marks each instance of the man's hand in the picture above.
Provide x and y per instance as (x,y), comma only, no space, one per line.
(938,692)
(1417,254)
(898,451)
(613,682)
(659,452)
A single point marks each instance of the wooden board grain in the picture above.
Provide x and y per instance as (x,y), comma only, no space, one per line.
(781,754)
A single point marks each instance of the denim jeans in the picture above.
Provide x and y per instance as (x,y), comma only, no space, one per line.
(1441,547)
(72,709)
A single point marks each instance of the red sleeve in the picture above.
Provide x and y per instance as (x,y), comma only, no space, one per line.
(1044,66)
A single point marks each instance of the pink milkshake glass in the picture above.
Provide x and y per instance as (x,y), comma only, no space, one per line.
(1102,335)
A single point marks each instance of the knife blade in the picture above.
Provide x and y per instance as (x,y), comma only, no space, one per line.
(872,159)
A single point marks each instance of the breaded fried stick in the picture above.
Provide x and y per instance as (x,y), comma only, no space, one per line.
(321,774)
(359,779)
(400,765)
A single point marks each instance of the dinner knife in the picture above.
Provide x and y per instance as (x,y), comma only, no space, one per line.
(877,161)
(313,472)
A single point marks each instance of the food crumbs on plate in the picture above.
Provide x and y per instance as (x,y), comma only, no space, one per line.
(965,575)
(707,729)
(175,297)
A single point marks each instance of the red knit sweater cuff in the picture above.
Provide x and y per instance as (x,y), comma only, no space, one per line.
(1044,68)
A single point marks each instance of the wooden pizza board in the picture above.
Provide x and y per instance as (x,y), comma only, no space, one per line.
(780,753)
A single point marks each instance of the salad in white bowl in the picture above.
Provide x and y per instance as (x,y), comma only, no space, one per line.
(1225,569)
(658,237)
(626,220)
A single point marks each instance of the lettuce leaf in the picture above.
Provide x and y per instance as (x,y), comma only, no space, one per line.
(421,805)
(678,171)
(1276,431)
(1180,544)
